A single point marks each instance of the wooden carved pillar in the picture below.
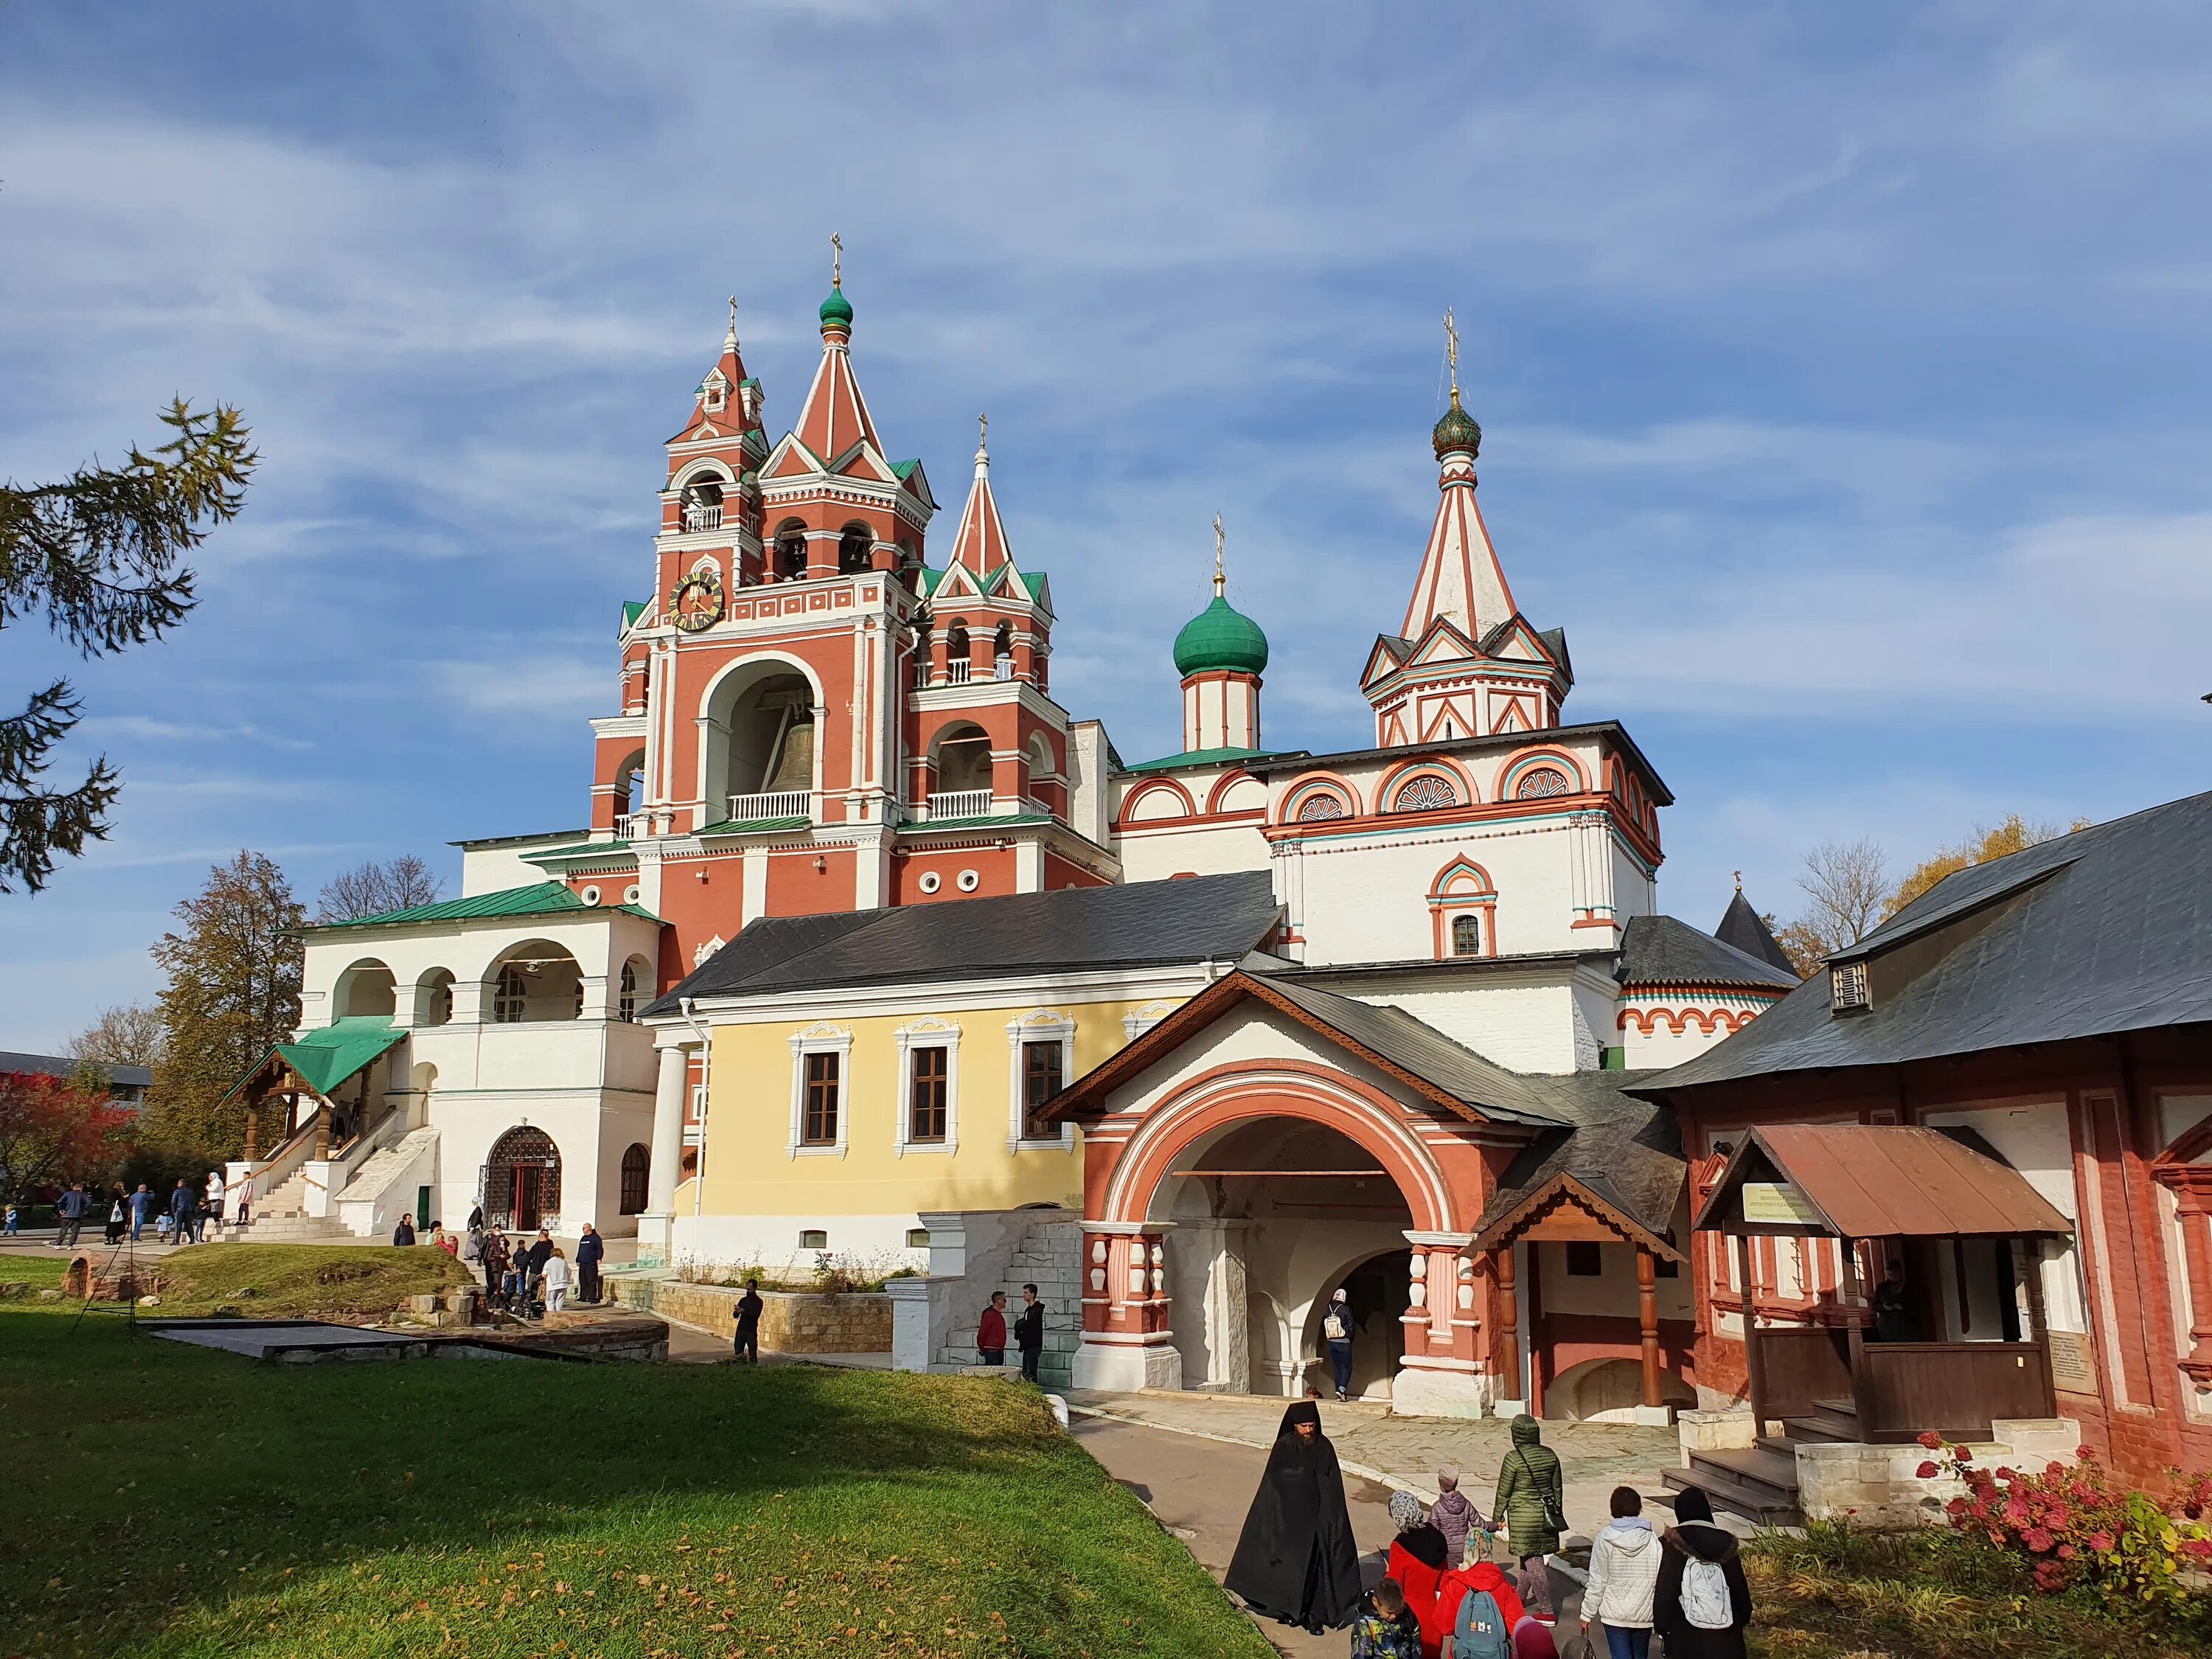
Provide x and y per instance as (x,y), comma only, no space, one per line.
(322,1130)
(1540,1335)
(1754,1380)
(1647,1319)
(1505,1346)
(254,1126)
(1854,1337)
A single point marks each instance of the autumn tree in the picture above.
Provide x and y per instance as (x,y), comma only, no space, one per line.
(1845,884)
(233,991)
(99,555)
(2014,834)
(53,1132)
(373,888)
(127,1036)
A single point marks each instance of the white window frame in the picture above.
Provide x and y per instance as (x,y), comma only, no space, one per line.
(929,1032)
(1138,1021)
(821,1039)
(1038,1025)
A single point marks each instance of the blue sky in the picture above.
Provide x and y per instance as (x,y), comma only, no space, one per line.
(1842,372)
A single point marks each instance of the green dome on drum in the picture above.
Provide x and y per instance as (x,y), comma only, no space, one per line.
(837,309)
(1457,431)
(1220,639)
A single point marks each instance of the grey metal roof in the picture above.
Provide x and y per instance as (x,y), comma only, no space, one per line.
(1626,1151)
(1427,1053)
(121,1077)
(1747,930)
(1141,923)
(1503,741)
(2106,930)
(1661,950)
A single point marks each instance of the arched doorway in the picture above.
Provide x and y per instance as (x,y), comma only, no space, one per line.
(522,1180)
(1271,1215)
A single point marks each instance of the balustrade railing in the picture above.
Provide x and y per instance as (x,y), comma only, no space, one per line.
(698,516)
(956,670)
(782,803)
(959,804)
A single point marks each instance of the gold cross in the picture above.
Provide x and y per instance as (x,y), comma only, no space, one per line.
(836,260)
(983,431)
(1220,581)
(733,318)
(1451,348)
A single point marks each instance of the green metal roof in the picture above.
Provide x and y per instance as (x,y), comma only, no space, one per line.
(752,826)
(632,609)
(582,849)
(838,308)
(328,1055)
(1202,757)
(930,578)
(905,469)
(544,898)
(977,824)
(1219,638)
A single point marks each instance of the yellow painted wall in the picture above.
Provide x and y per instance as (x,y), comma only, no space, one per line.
(749,1167)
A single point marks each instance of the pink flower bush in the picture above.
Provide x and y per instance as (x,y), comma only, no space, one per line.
(2081,1524)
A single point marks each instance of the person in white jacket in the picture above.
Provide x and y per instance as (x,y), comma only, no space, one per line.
(1624,1571)
(556,1301)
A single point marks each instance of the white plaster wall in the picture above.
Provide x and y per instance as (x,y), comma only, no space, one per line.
(600,941)
(1523,1020)
(1365,898)
(1643,1051)
(773,1241)
(1614,1291)
(1250,1031)
(495,869)
(1155,853)
(2035,1141)
(581,1125)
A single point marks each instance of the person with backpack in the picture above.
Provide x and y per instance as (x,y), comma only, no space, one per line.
(1418,1557)
(1476,1610)
(1701,1602)
(1531,1492)
(1385,1627)
(1296,1561)
(1623,1570)
(1336,1330)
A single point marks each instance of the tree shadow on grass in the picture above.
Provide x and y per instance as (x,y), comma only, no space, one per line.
(170,1499)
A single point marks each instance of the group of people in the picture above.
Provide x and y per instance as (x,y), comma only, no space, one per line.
(1443,1596)
(1028,1332)
(522,1278)
(188,1217)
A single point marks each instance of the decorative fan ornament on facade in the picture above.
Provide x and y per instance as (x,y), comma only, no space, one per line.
(1543,783)
(1425,795)
(1318,808)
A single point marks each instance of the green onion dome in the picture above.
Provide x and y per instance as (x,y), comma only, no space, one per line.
(1457,431)
(1219,639)
(837,309)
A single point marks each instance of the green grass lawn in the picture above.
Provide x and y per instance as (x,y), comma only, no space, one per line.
(273,1281)
(1841,1594)
(163,1500)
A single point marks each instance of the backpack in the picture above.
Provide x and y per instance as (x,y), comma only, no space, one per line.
(1333,1327)
(1479,1631)
(1706,1603)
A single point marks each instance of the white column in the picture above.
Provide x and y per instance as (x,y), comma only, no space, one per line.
(657,1225)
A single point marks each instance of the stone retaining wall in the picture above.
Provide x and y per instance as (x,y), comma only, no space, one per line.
(856,1321)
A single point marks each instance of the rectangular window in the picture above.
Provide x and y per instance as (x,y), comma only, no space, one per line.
(1585,1260)
(821,1127)
(813,1238)
(926,1112)
(1042,1078)
(917,1238)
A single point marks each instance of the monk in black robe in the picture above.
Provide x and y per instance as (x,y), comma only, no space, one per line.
(1296,1560)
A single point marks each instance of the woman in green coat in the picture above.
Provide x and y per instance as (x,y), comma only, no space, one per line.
(1531,1491)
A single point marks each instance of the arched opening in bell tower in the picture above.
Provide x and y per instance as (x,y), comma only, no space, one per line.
(761,742)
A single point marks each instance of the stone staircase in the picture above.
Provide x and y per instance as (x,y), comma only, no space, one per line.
(1050,1257)
(1760,1482)
(282,1219)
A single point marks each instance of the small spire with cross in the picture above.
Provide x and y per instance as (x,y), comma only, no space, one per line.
(1220,575)
(1739,881)
(1451,350)
(730,340)
(836,260)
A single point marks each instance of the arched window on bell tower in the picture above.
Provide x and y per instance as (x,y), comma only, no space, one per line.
(1002,650)
(854,549)
(790,552)
(955,651)
(702,504)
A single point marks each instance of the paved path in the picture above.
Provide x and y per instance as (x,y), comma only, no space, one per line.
(1406,1451)
(1200,1490)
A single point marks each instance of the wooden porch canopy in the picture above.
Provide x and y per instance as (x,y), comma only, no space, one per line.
(316,1064)
(1850,1182)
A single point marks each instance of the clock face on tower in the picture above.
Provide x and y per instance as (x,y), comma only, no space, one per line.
(696,602)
